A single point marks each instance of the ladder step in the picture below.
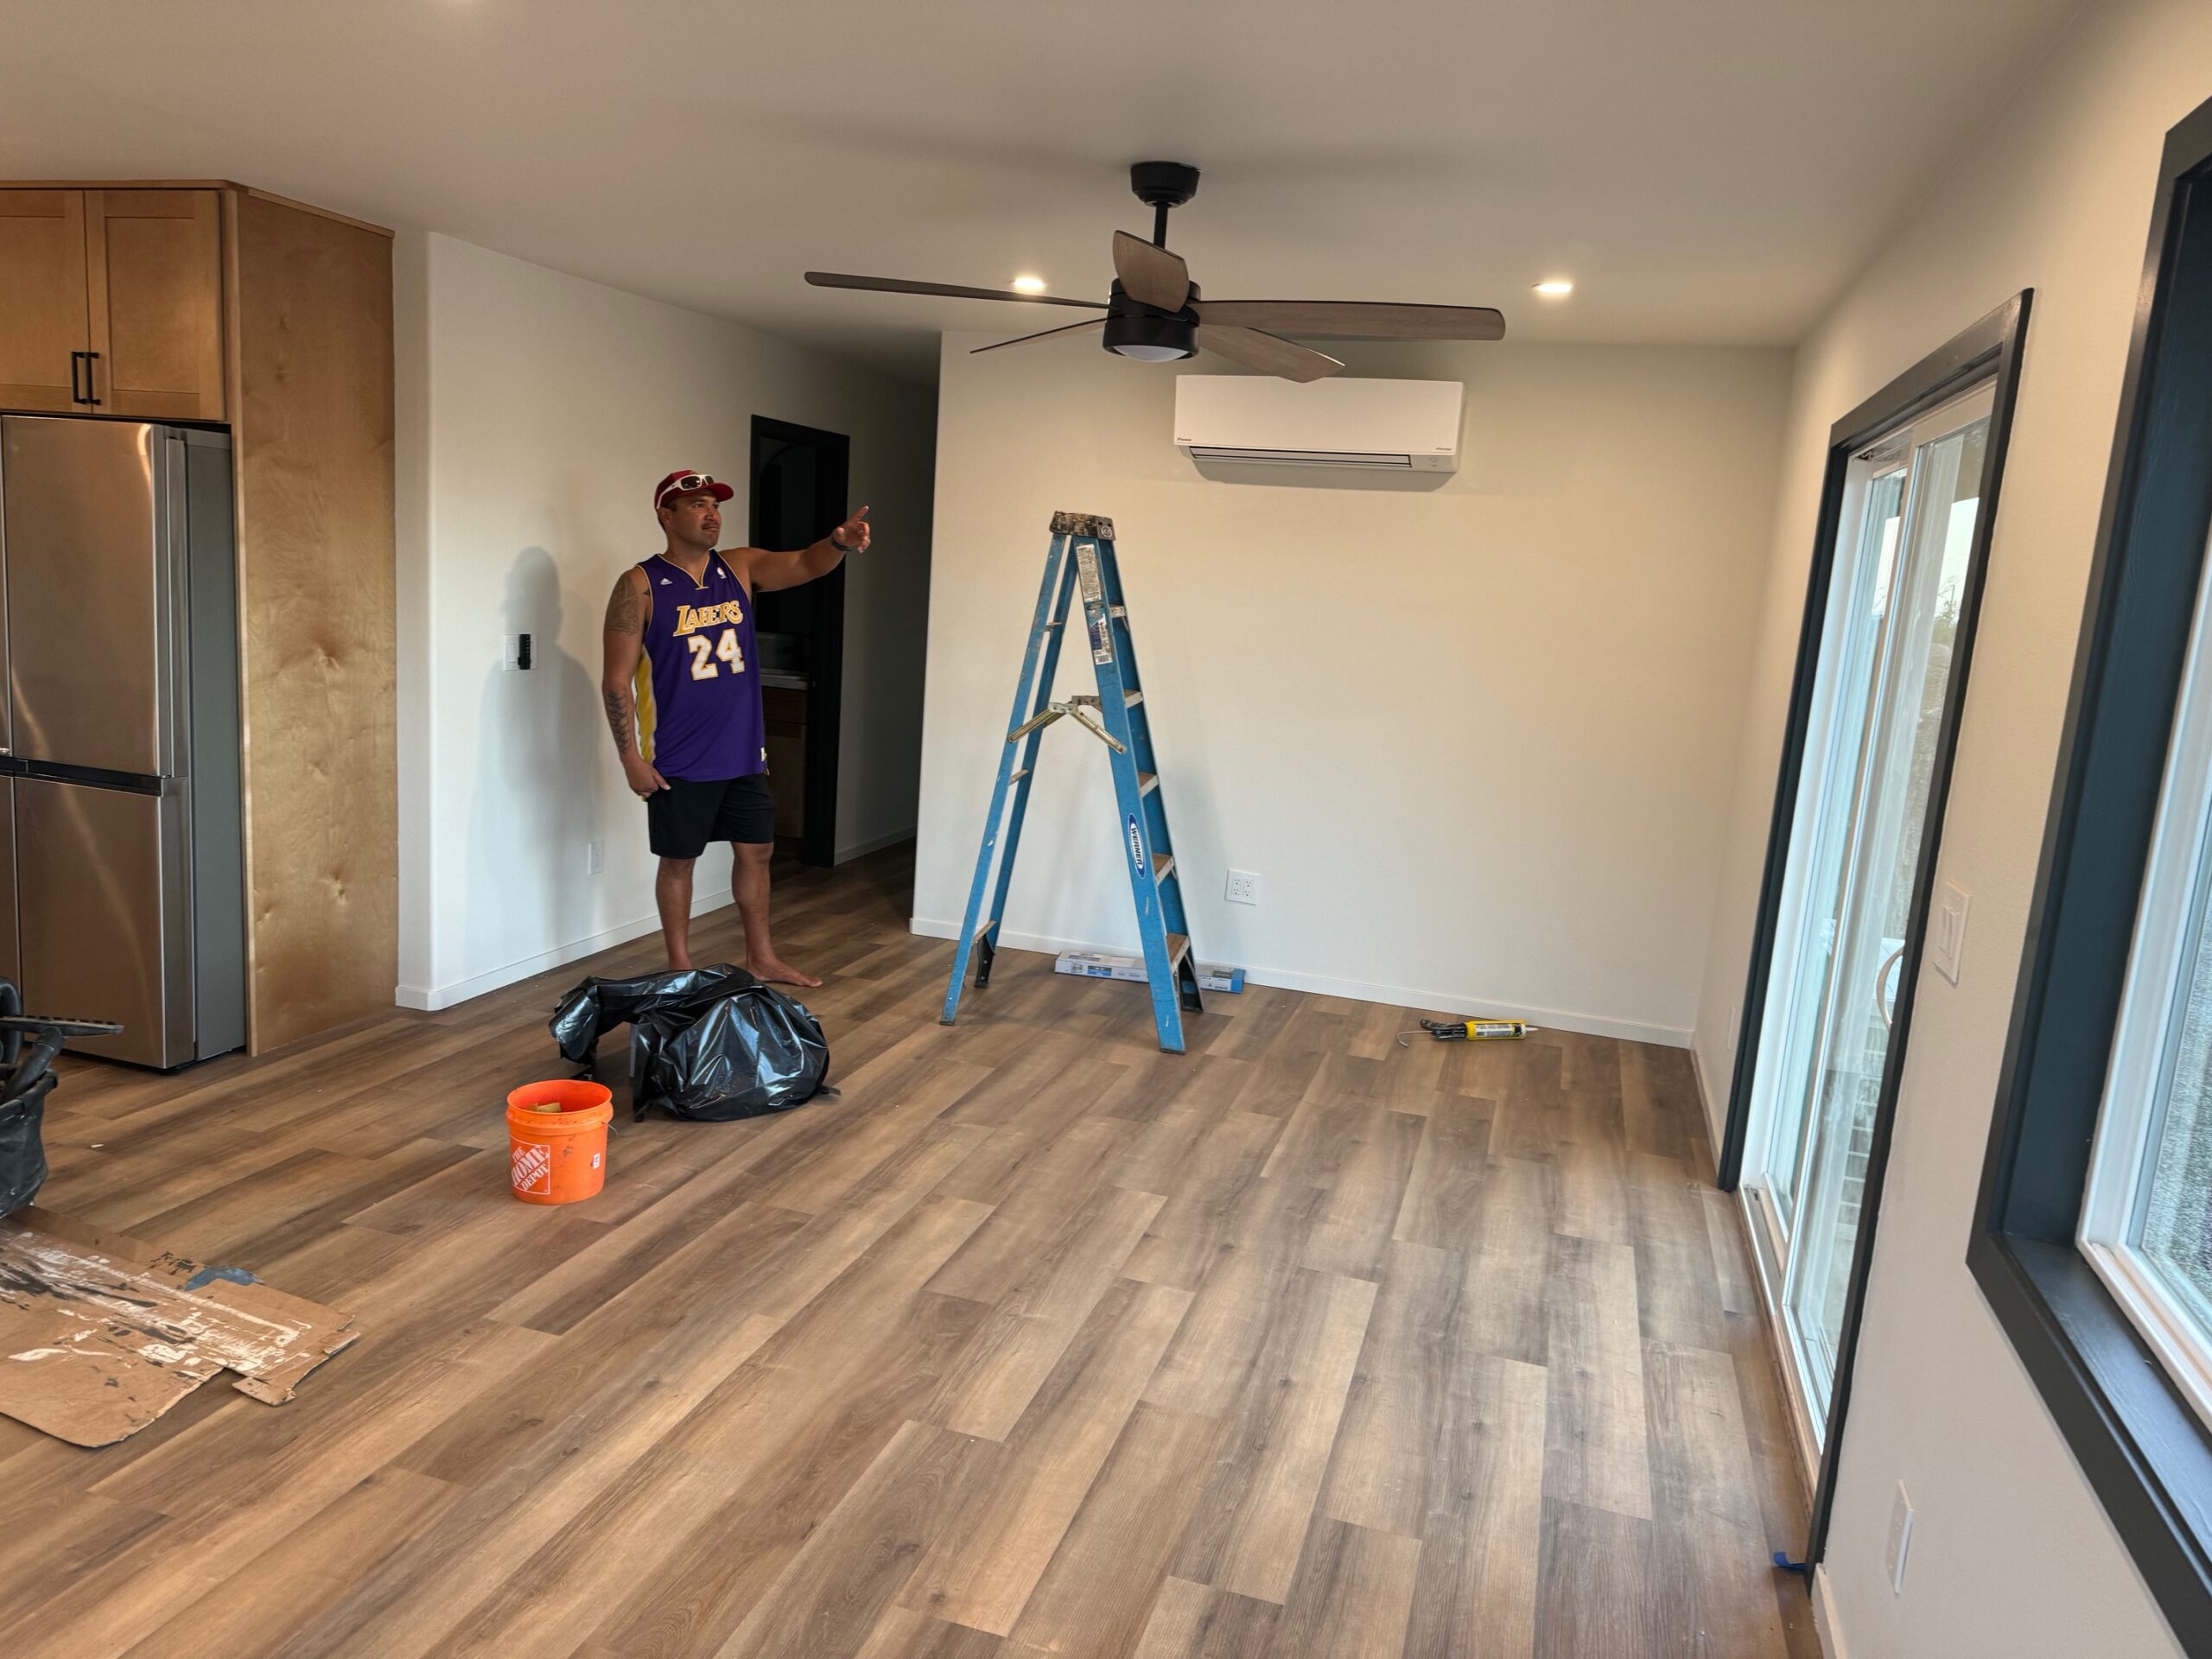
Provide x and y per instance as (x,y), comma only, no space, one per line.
(987,927)
(1161,863)
(1147,782)
(1017,774)
(1130,699)
(1179,946)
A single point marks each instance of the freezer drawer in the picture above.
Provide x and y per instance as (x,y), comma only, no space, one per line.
(104,914)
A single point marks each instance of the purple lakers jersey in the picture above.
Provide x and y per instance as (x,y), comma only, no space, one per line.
(698,683)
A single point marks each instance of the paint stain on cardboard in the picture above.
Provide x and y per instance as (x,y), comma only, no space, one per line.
(101,1334)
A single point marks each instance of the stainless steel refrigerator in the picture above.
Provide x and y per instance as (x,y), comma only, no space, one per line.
(122,875)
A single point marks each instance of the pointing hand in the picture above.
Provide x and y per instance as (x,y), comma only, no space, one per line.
(852,536)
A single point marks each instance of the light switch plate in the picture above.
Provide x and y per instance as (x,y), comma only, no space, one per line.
(1948,931)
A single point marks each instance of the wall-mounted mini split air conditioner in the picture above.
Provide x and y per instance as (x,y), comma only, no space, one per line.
(1403,426)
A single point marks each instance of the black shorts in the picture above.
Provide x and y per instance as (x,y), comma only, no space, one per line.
(682,818)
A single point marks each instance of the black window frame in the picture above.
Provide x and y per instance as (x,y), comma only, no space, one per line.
(2145,1452)
(1988,350)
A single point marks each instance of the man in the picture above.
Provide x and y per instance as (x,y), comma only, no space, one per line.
(683,688)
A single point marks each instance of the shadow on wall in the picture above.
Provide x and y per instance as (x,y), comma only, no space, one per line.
(536,803)
(1375,480)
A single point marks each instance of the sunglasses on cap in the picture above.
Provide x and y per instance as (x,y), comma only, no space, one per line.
(688,484)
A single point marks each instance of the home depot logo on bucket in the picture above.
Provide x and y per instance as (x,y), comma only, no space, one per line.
(533,1167)
(556,1138)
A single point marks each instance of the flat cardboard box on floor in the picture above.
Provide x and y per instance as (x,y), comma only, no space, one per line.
(101,1333)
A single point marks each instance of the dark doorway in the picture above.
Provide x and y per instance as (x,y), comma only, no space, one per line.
(799,477)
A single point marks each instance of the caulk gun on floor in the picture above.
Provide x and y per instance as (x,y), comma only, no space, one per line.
(1475,1030)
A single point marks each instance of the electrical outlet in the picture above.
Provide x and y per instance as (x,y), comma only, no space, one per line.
(1243,887)
(1900,1540)
(594,857)
(1950,932)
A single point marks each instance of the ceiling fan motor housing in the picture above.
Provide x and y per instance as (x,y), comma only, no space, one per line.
(1145,332)
(1164,184)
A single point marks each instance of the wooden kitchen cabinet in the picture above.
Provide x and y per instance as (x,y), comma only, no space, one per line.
(111,302)
(153,278)
(206,300)
(784,711)
(45,314)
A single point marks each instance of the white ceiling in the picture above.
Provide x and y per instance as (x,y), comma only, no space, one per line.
(1705,170)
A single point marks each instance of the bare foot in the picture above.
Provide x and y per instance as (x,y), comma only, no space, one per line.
(776,971)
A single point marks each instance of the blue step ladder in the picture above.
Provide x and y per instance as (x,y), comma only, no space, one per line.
(1081,561)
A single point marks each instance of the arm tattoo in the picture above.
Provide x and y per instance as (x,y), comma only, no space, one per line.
(622,607)
(618,716)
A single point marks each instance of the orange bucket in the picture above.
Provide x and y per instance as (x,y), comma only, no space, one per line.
(556,1138)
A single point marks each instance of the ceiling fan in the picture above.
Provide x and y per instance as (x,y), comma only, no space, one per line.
(1153,311)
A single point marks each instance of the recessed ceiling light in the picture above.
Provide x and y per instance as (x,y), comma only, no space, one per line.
(1556,287)
(1030,284)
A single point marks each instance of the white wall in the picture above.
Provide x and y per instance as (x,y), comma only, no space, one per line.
(1476,741)
(537,410)
(2011,1555)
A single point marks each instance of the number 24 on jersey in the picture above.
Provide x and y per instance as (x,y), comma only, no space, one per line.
(704,651)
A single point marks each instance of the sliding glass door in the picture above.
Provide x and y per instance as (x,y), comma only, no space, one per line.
(1901,559)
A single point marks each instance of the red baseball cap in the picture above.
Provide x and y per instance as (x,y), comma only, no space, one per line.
(684,482)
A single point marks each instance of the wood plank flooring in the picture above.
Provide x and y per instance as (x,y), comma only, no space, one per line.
(1036,1341)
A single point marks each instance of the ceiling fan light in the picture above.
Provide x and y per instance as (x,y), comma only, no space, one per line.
(1150,336)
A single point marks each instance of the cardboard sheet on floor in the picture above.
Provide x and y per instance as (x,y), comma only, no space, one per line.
(101,1333)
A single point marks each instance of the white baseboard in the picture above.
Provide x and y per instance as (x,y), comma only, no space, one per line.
(1824,1619)
(1716,1124)
(1593,1025)
(873,844)
(431,999)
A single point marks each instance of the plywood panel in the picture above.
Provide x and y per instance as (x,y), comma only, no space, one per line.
(312,409)
(42,315)
(154,266)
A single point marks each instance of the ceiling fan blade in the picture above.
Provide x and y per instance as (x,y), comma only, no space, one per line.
(893,285)
(1357,318)
(1023,339)
(1150,274)
(1257,351)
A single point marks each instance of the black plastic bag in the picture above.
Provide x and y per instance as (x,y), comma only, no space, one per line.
(22,1153)
(709,1044)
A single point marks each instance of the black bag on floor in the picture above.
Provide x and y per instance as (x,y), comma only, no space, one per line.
(22,1153)
(22,1110)
(709,1044)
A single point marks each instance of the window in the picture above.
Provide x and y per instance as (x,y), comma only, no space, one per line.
(2147,1216)
(1892,594)
(1904,543)
(2092,1239)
